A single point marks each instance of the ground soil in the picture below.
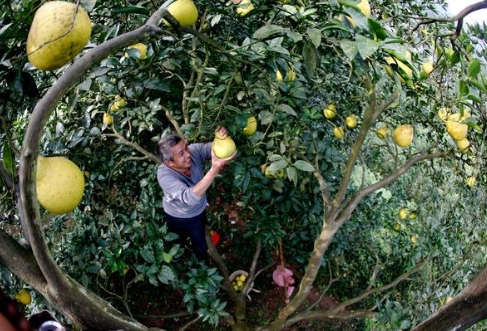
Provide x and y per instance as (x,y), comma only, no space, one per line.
(262,308)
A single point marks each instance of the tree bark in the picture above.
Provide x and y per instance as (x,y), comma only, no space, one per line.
(465,310)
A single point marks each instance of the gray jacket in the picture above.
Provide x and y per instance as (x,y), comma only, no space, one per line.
(179,199)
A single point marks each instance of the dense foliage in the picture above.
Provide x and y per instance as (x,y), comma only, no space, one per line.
(194,86)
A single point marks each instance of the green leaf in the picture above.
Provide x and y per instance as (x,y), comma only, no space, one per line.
(147,255)
(356,15)
(171,236)
(314,36)
(366,47)
(166,275)
(349,47)
(281,164)
(8,159)
(130,10)
(88,5)
(167,257)
(474,68)
(287,109)
(304,166)
(310,55)
(463,88)
(377,30)
(267,31)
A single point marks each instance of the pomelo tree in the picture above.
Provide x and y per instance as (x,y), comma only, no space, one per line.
(296,196)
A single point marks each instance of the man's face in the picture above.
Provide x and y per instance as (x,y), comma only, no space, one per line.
(181,157)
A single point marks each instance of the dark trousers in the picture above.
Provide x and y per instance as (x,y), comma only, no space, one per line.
(194,228)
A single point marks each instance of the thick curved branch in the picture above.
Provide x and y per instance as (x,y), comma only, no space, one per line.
(459,17)
(465,310)
(370,116)
(24,265)
(97,313)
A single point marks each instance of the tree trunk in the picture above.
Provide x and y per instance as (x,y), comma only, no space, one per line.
(465,310)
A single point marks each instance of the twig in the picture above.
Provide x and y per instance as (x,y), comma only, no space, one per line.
(187,325)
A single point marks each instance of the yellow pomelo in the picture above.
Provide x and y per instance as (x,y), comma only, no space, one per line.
(142,49)
(382,132)
(427,67)
(351,121)
(245,7)
(403,213)
(291,75)
(413,216)
(107,119)
(403,135)
(414,239)
(397,227)
(463,145)
(251,126)
(471,181)
(118,104)
(184,11)
(24,297)
(279,77)
(338,132)
(60,184)
(456,128)
(444,113)
(330,111)
(59,31)
(223,147)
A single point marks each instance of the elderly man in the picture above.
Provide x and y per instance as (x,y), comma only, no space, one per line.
(184,184)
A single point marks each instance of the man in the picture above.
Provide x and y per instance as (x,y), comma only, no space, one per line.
(184,184)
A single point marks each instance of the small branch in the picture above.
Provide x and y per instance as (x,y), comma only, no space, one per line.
(135,146)
(253,267)
(173,121)
(7,179)
(348,209)
(330,283)
(187,325)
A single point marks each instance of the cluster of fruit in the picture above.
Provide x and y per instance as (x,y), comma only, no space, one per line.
(239,282)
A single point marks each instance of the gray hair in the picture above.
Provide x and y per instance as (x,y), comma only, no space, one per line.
(164,147)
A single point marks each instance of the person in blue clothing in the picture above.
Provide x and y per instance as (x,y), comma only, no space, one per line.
(184,184)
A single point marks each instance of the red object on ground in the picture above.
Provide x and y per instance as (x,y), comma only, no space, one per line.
(215,237)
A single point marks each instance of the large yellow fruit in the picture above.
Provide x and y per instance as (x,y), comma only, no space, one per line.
(24,297)
(338,132)
(351,121)
(251,126)
(245,7)
(184,11)
(60,184)
(382,132)
(471,181)
(427,67)
(107,119)
(463,145)
(57,34)
(330,111)
(403,135)
(279,77)
(118,104)
(223,147)
(403,213)
(456,128)
(142,49)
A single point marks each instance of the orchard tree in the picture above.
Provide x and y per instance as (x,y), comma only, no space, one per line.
(365,175)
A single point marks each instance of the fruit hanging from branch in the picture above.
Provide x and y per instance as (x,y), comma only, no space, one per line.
(223,147)
(59,183)
(59,31)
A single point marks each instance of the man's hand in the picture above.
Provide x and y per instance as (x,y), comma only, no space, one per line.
(219,164)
